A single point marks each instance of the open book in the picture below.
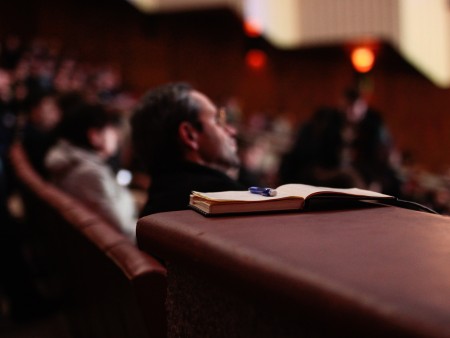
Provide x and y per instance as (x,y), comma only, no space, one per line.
(288,197)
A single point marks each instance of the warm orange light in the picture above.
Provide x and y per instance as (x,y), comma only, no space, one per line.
(363,59)
(252,28)
(256,58)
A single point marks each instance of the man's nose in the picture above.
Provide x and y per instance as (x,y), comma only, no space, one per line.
(231,130)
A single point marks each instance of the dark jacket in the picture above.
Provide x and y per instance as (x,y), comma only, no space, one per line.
(170,190)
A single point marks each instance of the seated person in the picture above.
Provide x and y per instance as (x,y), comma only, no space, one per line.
(39,130)
(316,155)
(89,136)
(185,143)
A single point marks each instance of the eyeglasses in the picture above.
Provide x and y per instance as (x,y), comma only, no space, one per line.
(222,117)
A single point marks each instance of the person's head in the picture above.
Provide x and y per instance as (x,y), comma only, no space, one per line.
(5,84)
(175,123)
(91,127)
(45,113)
(355,105)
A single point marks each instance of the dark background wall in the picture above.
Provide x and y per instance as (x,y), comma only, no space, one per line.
(207,48)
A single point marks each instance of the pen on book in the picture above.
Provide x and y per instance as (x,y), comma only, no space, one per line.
(268,192)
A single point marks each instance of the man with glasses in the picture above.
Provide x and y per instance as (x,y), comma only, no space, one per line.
(185,143)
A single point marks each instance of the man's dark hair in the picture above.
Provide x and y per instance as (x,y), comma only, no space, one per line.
(80,118)
(155,125)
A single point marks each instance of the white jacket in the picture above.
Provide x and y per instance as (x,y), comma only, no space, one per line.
(84,175)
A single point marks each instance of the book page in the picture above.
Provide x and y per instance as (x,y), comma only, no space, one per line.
(286,191)
(304,191)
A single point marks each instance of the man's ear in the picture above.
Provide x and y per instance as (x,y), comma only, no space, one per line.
(188,135)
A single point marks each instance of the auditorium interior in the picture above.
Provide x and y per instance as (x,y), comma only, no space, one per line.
(274,65)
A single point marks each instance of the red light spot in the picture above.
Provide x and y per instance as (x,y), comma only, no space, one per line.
(256,59)
(252,29)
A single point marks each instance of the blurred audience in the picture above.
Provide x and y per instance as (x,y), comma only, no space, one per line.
(8,113)
(265,150)
(36,74)
(12,49)
(37,83)
(39,131)
(344,148)
(367,145)
(89,136)
(316,156)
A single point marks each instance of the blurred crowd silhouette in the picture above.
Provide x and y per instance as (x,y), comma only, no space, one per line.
(38,82)
(345,146)
(38,85)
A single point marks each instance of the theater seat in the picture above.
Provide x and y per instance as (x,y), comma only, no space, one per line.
(109,287)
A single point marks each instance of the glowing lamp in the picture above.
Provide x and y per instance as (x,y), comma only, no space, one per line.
(252,29)
(256,59)
(363,59)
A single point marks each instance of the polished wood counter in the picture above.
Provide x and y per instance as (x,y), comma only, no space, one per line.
(372,271)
